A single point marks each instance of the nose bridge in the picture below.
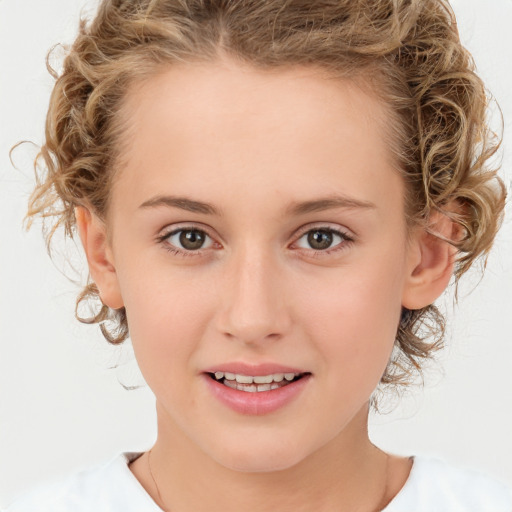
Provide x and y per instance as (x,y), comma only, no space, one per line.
(255,308)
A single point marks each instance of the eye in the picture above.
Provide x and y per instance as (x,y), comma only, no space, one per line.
(322,239)
(188,239)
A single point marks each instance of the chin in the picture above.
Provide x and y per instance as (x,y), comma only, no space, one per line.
(259,457)
(259,464)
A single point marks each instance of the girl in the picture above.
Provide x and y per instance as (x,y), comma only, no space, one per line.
(270,196)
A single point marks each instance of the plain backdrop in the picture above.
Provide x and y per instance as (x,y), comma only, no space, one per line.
(63,402)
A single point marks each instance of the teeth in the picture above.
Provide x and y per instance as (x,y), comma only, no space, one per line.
(258,379)
(264,379)
(244,379)
(251,388)
(253,384)
(230,384)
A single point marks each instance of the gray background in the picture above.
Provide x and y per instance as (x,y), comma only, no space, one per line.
(61,406)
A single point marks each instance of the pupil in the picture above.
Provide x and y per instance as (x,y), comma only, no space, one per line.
(191,240)
(320,239)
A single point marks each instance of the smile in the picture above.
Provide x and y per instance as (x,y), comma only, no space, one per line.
(255,384)
(255,389)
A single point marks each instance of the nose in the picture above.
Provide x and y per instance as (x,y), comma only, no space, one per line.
(253,299)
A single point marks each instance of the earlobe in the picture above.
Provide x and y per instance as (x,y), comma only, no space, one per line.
(93,235)
(431,262)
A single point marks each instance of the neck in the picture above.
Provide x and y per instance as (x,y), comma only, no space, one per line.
(348,473)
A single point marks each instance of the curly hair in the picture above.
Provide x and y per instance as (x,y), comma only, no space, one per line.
(407,51)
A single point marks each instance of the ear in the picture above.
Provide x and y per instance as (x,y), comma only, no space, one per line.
(93,234)
(431,261)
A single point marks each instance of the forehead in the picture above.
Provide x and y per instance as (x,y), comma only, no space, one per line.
(290,130)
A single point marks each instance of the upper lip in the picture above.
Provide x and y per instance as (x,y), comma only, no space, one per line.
(241,368)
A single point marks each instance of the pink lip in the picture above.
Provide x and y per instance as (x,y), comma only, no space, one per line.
(258,403)
(252,369)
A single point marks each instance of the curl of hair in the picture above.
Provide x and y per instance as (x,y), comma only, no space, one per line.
(408,51)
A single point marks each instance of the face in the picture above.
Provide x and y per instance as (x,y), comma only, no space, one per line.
(257,229)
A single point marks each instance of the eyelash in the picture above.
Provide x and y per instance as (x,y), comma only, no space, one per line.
(347,240)
(163,240)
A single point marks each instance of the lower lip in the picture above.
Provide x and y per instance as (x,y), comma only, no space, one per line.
(258,403)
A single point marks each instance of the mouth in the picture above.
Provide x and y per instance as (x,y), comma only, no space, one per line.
(256,383)
(256,389)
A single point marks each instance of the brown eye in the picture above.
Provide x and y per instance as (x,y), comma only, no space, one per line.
(320,239)
(189,239)
(323,239)
(192,240)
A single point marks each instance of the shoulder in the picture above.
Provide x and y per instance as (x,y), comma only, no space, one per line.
(107,488)
(434,485)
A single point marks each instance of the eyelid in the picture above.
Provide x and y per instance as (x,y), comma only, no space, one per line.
(172,229)
(208,241)
(183,226)
(327,226)
(347,236)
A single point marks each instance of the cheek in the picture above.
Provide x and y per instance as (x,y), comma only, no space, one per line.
(353,318)
(167,315)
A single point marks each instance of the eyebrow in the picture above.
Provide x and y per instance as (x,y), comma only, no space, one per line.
(296,208)
(328,203)
(182,203)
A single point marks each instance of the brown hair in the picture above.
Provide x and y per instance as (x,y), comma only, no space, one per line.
(408,51)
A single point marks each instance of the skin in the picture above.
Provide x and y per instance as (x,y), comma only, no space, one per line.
(252,144)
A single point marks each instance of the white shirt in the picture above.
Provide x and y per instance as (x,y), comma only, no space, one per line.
(432,486)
